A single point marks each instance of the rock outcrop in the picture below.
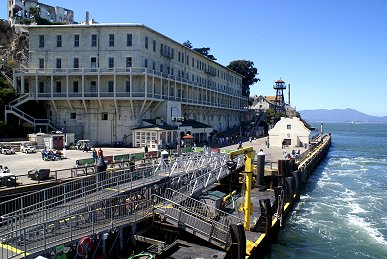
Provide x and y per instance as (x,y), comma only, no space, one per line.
(13,47)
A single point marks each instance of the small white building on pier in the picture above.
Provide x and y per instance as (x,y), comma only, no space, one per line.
(289,132)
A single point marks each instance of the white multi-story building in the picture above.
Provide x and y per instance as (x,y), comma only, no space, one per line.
(20,9)
(100,81)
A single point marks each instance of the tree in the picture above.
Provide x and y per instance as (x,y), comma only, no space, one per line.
(187,44)
(35,12)
(272,117)
(204,51)
(7,94)
(248,71)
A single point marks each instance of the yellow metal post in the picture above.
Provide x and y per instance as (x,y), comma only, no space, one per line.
(249,179)
(248,208)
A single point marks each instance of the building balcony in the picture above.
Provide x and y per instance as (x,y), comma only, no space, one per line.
(118,92)
(167,54)
(139,95)
(211,71)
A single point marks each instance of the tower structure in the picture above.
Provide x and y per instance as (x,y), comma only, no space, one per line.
(279,86)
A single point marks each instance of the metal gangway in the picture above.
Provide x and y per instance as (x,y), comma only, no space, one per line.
(196,217)
(35,214)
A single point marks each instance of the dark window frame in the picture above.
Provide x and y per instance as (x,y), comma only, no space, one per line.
(59,41)
(76,63)
(41,41)
(104,116)
(111,40)
(76,40)
(94,38)
(129,39)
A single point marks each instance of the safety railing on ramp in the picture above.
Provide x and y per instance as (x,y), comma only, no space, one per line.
(213,172)
(47,204)
(195,217)
(65,212)
(101,216)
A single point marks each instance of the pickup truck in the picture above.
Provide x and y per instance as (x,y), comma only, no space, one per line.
(7,150)
(28,149)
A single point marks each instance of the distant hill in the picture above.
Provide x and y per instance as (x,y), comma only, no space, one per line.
(339,115)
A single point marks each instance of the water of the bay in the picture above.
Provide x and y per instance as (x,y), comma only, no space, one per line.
(343,210)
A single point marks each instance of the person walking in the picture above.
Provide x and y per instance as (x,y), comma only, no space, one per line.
(100,152)
(94,155)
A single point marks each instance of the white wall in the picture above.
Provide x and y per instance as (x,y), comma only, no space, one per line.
(297,132)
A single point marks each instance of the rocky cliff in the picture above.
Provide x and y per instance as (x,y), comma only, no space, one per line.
(13,47)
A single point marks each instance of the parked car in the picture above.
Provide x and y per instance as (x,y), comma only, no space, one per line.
(28,149)
(83,144)
(7,150)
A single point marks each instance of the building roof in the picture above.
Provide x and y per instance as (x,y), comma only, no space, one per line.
(194,124)
(187,123)
(270,98)
(280,81)
(156,127)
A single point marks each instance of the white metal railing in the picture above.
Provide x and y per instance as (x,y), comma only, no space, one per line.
(47,204)
(29,118)
(201,220)
(65,212)
(102,215)
(20,100)
(122,71)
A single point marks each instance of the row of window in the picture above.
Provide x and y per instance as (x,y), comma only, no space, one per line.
(104,116)
(185,75)
(165,51)
(93,42)
(170,71)
(141,135)
(93,62)
(93,86)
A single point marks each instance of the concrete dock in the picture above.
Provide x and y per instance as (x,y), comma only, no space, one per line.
(20,163)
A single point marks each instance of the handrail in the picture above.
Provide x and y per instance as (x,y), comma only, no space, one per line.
(118,70)
(102,215)
(20,98)
(88,205)
(77,192)
(202,226)
(178,197)
(31,119)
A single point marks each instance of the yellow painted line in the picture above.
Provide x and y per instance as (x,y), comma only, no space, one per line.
(66,219)
(274,221)
(286,206)
(13,249)
(249,247)
(259,240)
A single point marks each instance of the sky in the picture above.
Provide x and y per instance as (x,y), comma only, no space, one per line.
(333,53)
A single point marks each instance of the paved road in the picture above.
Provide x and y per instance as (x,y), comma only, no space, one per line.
(20,163)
